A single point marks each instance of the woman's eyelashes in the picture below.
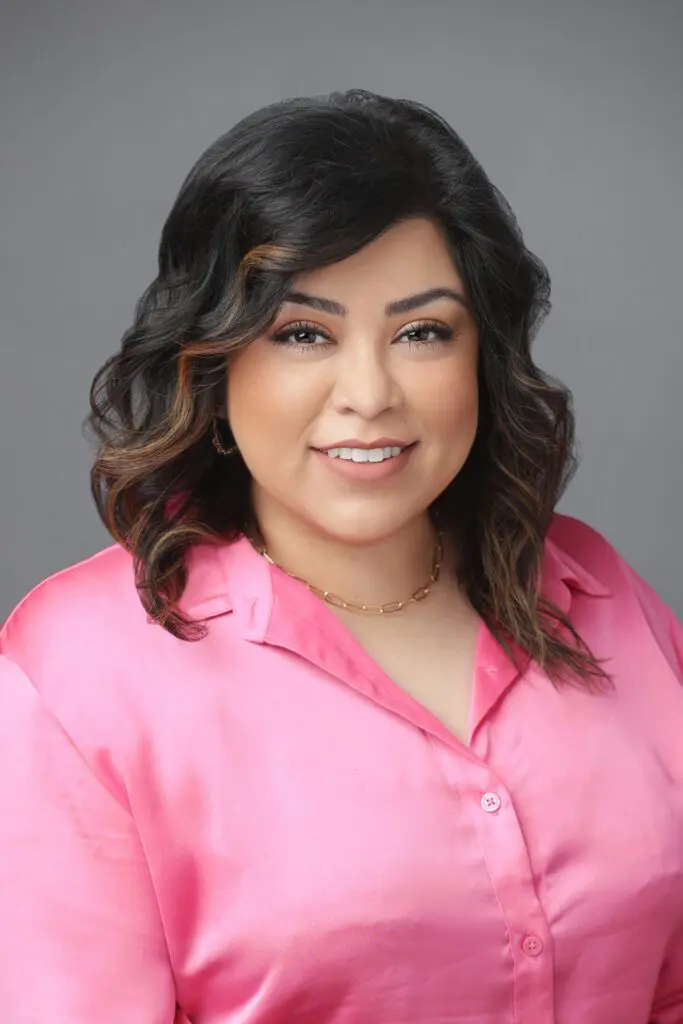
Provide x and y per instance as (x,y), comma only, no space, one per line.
(285,335)
(440,331)
(300,335)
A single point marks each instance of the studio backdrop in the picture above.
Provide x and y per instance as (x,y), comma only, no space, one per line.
(574,110)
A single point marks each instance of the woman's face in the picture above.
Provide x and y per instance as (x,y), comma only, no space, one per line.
(359,405)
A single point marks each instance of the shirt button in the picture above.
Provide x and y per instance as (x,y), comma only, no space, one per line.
(532,945)
(490,802)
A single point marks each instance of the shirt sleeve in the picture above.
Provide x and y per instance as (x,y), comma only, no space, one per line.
(81,938)
(667,629)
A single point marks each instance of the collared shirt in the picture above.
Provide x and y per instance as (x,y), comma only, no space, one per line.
(262,827)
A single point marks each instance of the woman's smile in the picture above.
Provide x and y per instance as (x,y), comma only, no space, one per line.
(366,465)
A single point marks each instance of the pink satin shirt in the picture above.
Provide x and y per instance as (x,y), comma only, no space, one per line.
(261,828)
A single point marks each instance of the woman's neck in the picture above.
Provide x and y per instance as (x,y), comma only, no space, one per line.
(376,573)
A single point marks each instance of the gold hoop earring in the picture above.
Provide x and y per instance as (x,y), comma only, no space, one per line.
(218,444)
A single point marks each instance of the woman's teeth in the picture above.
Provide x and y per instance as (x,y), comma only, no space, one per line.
(363,454)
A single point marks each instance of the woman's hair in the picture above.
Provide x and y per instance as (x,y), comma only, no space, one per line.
(296,186)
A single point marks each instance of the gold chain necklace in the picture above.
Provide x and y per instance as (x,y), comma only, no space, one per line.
(369,609)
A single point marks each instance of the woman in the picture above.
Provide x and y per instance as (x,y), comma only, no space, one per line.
(348,725)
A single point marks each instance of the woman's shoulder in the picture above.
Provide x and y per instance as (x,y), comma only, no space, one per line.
(584,549)
(67,648)
(578,544)
(87,605)
(584,544)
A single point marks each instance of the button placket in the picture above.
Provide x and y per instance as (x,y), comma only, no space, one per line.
(507,858)
(484,795)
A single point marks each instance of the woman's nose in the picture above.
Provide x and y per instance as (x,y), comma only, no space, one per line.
(365,383)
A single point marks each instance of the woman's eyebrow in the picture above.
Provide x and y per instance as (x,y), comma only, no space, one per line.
(392,309)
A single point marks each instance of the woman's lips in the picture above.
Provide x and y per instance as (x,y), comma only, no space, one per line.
(367,471)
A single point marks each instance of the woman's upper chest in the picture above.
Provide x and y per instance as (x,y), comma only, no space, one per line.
(307,799)
(430,653)
(285,758)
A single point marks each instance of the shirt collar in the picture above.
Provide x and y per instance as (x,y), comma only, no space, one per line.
(233,577)
(561,574)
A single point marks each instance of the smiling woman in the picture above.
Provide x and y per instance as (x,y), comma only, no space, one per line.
(348,726)
(402,208)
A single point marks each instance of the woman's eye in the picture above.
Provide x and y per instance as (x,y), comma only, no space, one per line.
(301,336)
(419,334)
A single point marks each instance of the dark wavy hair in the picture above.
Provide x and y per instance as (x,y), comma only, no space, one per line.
(294,186)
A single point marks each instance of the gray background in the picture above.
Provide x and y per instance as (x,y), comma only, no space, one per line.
(573,107)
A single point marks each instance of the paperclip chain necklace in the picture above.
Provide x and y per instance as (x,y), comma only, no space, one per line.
(368,609)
